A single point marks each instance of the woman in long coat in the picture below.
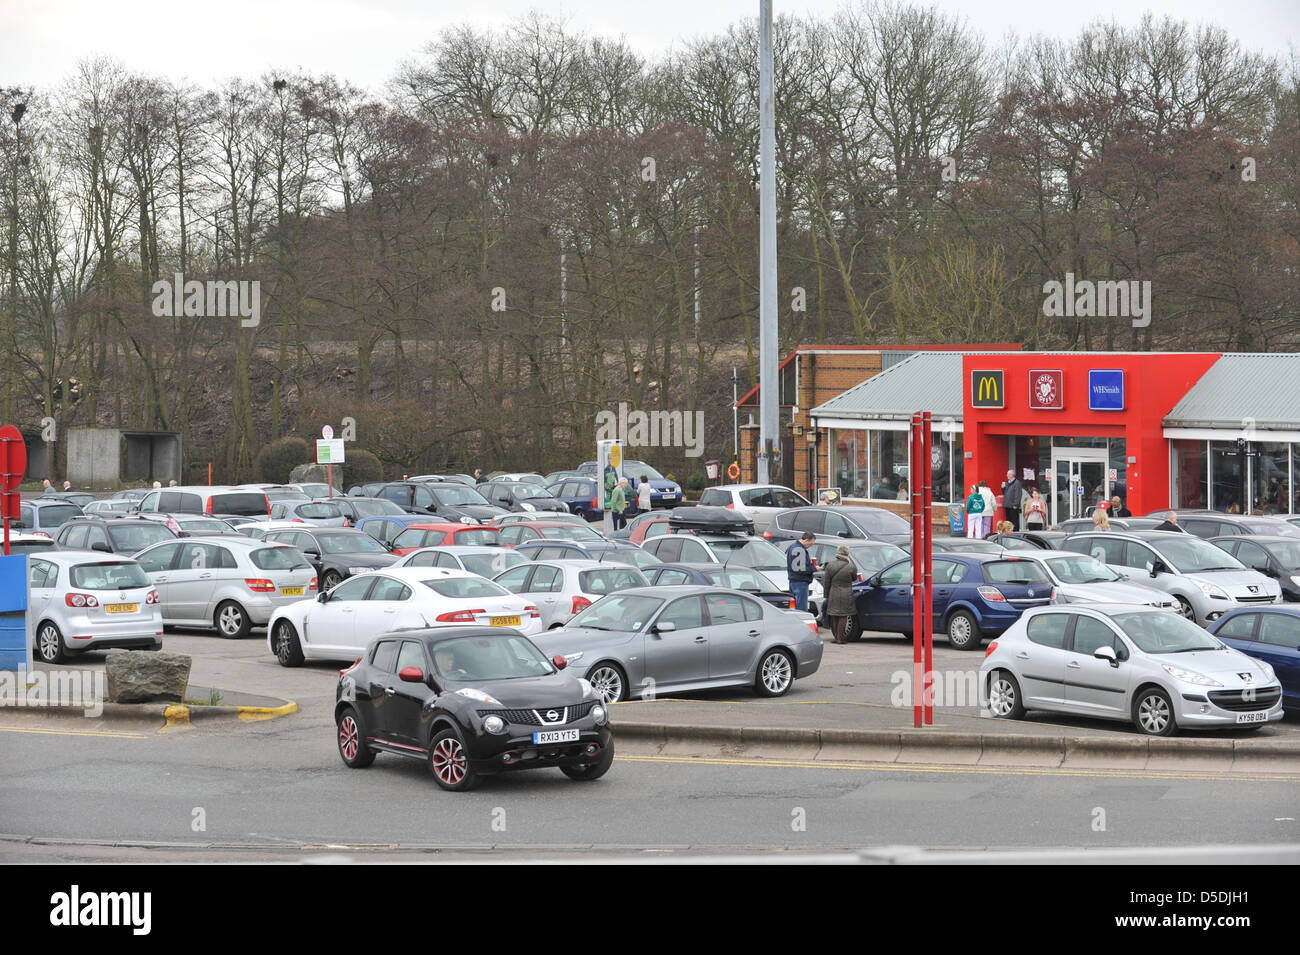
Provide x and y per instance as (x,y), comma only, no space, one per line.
(841,572)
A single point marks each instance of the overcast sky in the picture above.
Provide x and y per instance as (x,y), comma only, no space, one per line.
(363,40)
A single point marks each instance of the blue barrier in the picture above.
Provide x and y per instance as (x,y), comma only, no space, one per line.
(15,648)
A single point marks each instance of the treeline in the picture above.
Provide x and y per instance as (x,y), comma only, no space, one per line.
(531,225)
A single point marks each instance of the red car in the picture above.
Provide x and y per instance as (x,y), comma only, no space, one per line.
(517,533)
(434,534)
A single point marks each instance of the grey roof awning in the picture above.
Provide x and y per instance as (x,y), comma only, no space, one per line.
(924,381)
(1240,391)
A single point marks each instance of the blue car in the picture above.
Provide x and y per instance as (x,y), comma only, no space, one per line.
(663,492)
(975,596)
(1271,634)
(579,495)
(386,527)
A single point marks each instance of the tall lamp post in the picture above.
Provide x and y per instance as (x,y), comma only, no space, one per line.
(769,442)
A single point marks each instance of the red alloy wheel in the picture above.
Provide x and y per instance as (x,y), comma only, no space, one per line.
(348,737)
(449,761)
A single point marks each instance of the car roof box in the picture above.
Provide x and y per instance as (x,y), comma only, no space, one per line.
(712,520)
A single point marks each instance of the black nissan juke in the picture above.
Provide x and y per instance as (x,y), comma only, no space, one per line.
(472,701)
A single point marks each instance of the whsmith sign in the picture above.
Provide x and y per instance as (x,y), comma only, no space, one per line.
(987,389)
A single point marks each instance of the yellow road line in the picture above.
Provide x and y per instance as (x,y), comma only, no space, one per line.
(250,713)
(19,729)
(867,767)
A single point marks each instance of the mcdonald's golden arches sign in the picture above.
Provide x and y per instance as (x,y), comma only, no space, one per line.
(987,389)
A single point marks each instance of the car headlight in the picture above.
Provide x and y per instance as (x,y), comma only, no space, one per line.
(1296,581)
(1210,590)
(494,724)
(1188,676)
(573,658)
(359,570)
(526,506)
(599,714)
(1268,670)
(587,688)
(478,695)
(468,520)
(1060,598)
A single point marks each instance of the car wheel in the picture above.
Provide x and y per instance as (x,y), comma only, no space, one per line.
(585,772)
(1004,697)
(353,748)
(450,764)
(49,644)
(852,629)
(330,579)
(287,648)
(1185,608)
(232,620)
(963,631)
(1153,714)
(775,673)
(608,682)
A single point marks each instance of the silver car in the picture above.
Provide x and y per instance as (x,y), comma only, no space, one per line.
(1126,662)
(731,549)
(1205,581)
(655,640)
(1079,578)
(230,584)
(89,600)
(475,558)
(561,589)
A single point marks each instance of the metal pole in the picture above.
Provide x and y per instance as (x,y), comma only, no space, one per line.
(918,564)
(927,528)
(697,281)
(564,297)
(735,414)
(769,441)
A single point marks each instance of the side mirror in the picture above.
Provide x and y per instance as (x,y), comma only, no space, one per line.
(559,661)
(844,534)
(411,675)
(323,596)
(313,554)
(665,627)
(1107,654)
(101,546)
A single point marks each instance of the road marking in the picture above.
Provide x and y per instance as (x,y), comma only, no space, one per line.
(19,729)
(867,767)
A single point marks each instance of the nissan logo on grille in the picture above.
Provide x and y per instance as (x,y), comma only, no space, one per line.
(552,716)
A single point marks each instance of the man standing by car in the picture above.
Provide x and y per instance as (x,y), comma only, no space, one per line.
(618,504)
(479,478)
(799,568)
(1013,492)
(1170,524)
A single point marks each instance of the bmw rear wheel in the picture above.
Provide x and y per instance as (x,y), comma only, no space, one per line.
(775,674)
(608,682)
(450,763)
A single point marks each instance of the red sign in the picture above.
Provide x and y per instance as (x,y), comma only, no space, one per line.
(1047,390)
(13,458)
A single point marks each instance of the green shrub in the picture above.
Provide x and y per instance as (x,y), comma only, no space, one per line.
(361,467)
(697,481)
(277,459)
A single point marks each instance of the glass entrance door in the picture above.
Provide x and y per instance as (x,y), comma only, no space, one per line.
(1079,482)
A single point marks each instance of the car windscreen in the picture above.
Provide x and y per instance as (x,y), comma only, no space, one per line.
(639,470)
(108,576)
(741,578)
(1080,569)
(458,497)
(133,537)
(870,560)
(489,565)
(476,537)
(243,503)
(749,553)
(1159,632)
(319,512)
(465,587)
(1287,553)
(278,558)
(606,580)
(1277,528)
(1014,572)
(621,612)
(629,555)
(522,491)
(204,527)
(498,657)
(56,514)
(350,544)
(28,547)
(570,532)
(1191,555)
(376,508)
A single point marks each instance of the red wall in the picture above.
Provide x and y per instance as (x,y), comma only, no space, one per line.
(1153,384)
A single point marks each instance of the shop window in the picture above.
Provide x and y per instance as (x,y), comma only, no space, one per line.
(1228,477)
(889,465)
(850,464)
(1270,477)
(1189,474)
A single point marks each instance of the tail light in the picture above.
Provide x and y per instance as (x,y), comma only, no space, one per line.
(992,595)
(792,607)
(579,603)
(315,584)
(152,598)
(767,535)
(992,646)
(356,663)
(594,504)
(41,534)
(532,611)
(299,520)
(812,625)
(458,616)
(207,508)
(260,585)
(860,578)
(731,505)
(81,600)
(265,497)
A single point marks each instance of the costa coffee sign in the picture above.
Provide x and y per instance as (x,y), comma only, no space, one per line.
(1047,390)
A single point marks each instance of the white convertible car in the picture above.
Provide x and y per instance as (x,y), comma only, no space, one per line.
(339,623)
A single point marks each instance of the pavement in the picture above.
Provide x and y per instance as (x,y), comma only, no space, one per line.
(856,707)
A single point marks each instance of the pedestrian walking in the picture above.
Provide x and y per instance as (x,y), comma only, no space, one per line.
(47,487)
(838,584)
(479,477)
(618,504)
(799,568)
(643,492)
(67,486)
(1013,492)
(990,505)
(1099,519)
(1035,512)
(974,513)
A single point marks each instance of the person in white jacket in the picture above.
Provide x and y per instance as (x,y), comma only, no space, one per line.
(643,491)
(990,505)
